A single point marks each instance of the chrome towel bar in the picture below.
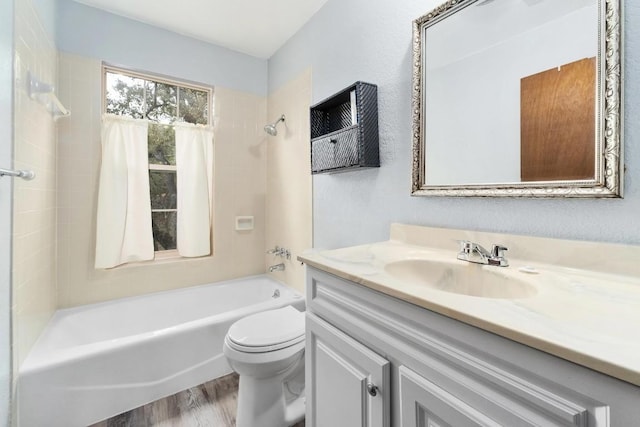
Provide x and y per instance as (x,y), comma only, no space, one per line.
(24,174)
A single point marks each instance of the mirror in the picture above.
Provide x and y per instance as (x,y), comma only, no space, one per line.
(518,98)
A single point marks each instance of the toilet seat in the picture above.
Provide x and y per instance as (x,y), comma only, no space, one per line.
(267,331)
(267,351)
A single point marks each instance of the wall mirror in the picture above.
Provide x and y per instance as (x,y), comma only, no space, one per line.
(518,98)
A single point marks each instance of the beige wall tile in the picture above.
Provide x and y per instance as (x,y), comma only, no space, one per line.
(34,209)
(289,186)
(239,189)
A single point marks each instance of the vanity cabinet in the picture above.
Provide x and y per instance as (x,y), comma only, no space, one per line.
(431,370)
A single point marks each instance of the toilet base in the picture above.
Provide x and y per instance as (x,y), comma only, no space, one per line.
(263,401)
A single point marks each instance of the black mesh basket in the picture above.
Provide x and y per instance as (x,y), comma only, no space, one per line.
(344,130)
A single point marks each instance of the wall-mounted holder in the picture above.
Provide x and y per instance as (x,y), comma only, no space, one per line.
(244,223)
(45,94)
(344,130)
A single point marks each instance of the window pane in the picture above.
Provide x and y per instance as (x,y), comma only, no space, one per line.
(164,230)
(161,102)
(163,189)
(194,106)
(125,95)
(162,144)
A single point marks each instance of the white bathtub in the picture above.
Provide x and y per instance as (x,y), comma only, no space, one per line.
(98,360)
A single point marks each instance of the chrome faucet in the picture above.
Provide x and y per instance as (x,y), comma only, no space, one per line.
(473,252)
(277,267)
(281,252)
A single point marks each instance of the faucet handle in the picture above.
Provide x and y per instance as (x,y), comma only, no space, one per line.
(497,253)
(465,246)
(465,250)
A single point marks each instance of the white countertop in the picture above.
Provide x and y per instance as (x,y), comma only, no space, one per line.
(589,317)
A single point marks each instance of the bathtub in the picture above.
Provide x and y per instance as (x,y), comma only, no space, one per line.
(96,361)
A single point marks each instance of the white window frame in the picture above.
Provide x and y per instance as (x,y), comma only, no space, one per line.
(106,68)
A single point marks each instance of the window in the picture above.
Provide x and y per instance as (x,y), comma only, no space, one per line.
(162,102)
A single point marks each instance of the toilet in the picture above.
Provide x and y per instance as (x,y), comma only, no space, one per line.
(267,351)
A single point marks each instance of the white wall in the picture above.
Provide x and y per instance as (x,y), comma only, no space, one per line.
(6,204)
(370,40)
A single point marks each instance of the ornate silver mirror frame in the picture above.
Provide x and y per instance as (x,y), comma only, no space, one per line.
(608,180)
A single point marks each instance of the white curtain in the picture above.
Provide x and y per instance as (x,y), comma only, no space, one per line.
(124,231)
(194,164)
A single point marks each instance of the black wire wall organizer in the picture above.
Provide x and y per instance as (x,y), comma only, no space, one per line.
(344,130)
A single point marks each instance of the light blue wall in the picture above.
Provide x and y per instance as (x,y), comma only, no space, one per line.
(6,154)
(46,10)
(370,40)
(91,32)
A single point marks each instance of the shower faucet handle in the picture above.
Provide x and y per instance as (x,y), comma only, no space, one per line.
(281,252)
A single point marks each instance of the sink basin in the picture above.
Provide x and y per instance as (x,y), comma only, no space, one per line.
(462,278)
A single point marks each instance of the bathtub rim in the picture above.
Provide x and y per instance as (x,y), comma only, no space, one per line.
(40,359)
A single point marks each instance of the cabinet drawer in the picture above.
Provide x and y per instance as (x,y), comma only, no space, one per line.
(461,398)
(336,150)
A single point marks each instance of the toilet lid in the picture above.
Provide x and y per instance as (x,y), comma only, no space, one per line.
(268,330)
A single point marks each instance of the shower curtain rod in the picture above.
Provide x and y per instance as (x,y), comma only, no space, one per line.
(24,174)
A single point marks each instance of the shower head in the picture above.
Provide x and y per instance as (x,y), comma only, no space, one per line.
(271,128)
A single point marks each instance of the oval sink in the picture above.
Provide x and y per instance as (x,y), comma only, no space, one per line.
(462,278)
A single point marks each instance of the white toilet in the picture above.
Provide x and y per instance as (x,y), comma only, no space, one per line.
(267,351)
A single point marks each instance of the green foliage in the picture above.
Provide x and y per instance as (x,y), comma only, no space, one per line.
(163,189)
(161,100)
(125,96)
(194,106)
(162,144)
(164,230)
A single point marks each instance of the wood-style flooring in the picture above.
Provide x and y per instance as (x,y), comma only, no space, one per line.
(212,404)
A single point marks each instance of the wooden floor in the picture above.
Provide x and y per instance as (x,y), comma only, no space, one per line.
(211,404)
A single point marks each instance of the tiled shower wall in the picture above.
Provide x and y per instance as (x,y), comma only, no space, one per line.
(239,189)
(289,209)
(6,205)
(34,210)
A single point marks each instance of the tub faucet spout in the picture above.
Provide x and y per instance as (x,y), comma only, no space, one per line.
(277,267)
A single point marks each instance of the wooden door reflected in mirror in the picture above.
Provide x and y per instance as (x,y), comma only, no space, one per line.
(557,123)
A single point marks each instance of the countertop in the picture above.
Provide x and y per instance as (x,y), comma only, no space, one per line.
(589,317)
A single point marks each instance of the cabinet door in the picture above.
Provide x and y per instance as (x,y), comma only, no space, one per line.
(347,383)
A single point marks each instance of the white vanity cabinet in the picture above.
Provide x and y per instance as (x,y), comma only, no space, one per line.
(375,360)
